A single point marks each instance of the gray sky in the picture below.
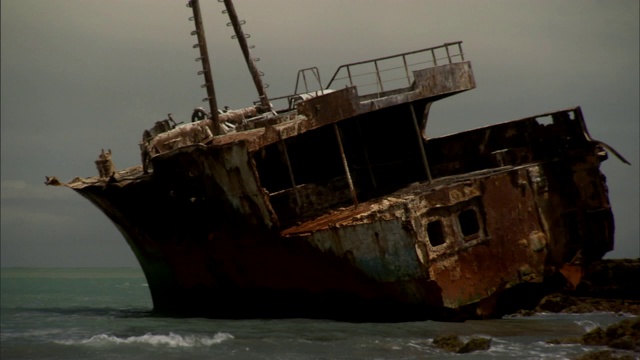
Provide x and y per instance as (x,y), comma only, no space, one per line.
(82,75)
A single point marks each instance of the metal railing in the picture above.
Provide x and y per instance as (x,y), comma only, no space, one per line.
(302,86)
(394,71)
(385,73)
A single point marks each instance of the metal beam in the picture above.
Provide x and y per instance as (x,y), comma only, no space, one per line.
(206,66)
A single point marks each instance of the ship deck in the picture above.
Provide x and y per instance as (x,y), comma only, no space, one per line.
(379,207)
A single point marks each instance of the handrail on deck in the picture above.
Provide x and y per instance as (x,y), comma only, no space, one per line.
(433,55)
(386,70)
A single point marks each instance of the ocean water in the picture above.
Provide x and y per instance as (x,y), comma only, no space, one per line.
(106,314)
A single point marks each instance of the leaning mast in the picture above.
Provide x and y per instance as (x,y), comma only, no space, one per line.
(206,66)
(242,39)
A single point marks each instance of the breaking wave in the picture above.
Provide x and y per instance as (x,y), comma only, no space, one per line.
(170,340)
(587,325)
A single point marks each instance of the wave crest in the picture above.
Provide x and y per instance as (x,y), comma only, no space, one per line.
(587,325)
(170,340)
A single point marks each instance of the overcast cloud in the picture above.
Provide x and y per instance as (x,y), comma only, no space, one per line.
(82,75)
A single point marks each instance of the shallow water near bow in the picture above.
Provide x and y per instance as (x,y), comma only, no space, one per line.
(106,314)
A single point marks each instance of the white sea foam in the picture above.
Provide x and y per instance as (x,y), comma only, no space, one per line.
(170,340)
(537,350)
(587,325)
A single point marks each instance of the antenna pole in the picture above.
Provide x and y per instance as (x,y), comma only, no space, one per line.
(206,66)
(242,39)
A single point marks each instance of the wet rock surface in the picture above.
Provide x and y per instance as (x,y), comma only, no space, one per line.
(475,344)
(566,303)
(607,285)
(624,335)
(612,279)
(449,343)
(605,355)
(453,343)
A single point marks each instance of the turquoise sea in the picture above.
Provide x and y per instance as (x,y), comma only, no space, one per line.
(107,314)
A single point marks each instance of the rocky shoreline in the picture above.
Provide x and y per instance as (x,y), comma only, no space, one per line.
(607,286)
(624,335)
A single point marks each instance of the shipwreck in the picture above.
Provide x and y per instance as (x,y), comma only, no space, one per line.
(336,205)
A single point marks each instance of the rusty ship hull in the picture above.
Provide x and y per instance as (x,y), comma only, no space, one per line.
(213,241)
(339,206)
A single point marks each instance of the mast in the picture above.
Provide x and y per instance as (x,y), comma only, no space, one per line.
(242,39)
(206,66)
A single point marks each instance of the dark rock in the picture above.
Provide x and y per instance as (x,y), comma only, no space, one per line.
(604,355)
(607,285)
(622,335)
(579,309)
(562,303)
(628,327)
(596,336)
(475,344)
(626,343)
(612,279)
(524,312)
(451,343)
(556,303)
(560,341)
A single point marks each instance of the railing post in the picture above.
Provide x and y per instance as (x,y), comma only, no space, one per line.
(406,69)
(304,79)
(460,49)
(316,72)
(381,89)
(446,48)
(433,55)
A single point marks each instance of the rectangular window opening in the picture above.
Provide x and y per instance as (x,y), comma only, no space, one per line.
(435,233)
(468,220)
(545,120)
